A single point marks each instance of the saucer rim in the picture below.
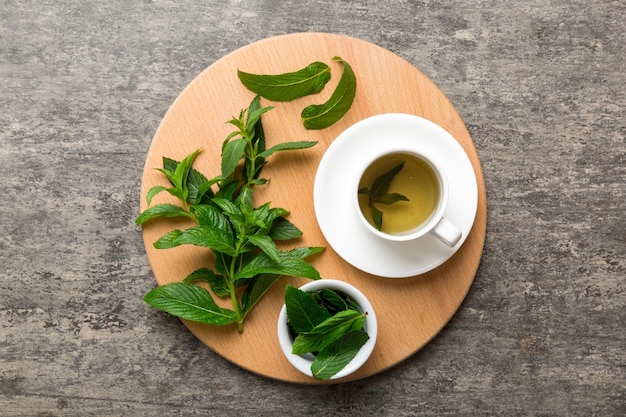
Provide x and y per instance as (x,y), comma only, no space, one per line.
(457,162)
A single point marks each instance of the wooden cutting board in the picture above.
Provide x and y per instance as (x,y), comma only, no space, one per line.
(410,311)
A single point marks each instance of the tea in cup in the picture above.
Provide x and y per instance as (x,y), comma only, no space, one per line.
(402,195)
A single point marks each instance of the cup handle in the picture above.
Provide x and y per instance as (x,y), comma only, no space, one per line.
(447,233)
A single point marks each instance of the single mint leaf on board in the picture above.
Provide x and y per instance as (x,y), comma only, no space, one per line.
(303,312)
(320,116)
(189,302)
(287,86)
(337,355)
(161,210)
(327,332)
(216,282)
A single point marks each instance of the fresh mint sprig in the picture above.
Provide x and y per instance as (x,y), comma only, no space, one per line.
(242,237)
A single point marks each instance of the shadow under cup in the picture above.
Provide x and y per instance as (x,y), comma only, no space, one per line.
(402,195)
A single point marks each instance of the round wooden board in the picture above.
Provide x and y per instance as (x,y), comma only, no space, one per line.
(410,311)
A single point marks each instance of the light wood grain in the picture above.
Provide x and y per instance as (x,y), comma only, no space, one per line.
(386,83)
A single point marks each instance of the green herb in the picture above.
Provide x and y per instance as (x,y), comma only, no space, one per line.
(327,324)
(310,80)
(338,354)
(288,86)
(379,194)
(242,237)
(320,116)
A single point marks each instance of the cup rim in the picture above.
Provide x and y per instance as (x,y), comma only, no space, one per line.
(302,362)
(434,218)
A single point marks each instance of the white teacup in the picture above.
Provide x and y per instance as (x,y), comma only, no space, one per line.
(422,180)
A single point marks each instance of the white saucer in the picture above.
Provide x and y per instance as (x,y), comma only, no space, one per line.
(336,212)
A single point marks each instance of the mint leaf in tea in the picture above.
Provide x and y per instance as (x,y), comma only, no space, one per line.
(398,178)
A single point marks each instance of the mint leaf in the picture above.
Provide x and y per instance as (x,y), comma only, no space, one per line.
(231,154)
(331,300)
(267,245)
(209,215)
(381,184)
(289,265)
(254,116)
(288,86)
(259,217)
(303,312)
(391,198)
(283,229)
(229,208)
(306,251)
(320,116)
(154,191)
(253,165)
(161,210)
(377,217)
(327,332)
(261,283)
(189,302)
(255,290)
(177,177)
(206,236)
(216,282)
(287,146)
(197,185)
(337,355)
(379,193)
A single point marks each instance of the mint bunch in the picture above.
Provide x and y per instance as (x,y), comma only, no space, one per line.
(241,236)
(327,324)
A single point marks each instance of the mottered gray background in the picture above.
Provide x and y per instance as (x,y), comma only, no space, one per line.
(541,87)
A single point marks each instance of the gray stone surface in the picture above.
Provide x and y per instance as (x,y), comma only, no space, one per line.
(541,86)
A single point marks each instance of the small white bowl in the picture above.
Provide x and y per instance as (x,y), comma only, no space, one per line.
(303,362)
